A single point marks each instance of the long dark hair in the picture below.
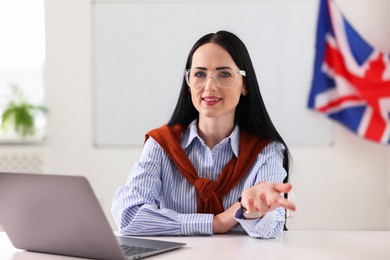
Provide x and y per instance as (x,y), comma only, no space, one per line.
(251,114)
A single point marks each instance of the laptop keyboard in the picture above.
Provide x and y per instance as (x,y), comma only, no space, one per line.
(133,250)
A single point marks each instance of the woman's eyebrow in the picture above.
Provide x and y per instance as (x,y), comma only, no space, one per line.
(222,68)
(217,68)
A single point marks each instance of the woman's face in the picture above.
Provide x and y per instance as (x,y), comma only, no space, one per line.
(211,100)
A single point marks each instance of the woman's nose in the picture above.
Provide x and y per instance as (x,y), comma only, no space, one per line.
(211,83)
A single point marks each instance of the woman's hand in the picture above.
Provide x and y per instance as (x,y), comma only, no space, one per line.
(265,197)
(257,201)
(225,221)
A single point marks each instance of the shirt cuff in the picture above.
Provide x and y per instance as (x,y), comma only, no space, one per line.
(239,216)
(257,227)
(197,224)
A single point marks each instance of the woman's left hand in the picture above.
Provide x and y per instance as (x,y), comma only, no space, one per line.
(264,197)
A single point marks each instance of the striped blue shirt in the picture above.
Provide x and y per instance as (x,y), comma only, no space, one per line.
(157,200)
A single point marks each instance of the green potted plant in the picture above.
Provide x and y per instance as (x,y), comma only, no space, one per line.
(20,115)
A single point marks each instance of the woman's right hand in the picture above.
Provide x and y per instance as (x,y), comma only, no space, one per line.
(224,222)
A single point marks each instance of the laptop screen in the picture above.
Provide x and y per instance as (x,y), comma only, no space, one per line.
(58,214)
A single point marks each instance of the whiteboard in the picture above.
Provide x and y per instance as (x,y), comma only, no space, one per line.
(140,50)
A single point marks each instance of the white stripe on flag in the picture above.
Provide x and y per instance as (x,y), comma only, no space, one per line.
(384,106)
(343,88)
(342,41)
(365,121)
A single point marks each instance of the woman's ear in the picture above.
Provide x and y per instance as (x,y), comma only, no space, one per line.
(244,91)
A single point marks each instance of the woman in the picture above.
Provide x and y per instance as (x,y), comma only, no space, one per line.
(219,165)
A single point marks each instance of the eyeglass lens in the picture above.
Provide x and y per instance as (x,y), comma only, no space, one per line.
(225,78)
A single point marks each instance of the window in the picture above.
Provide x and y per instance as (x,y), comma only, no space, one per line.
(22,53)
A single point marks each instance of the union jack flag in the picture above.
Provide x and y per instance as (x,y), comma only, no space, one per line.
(351,82)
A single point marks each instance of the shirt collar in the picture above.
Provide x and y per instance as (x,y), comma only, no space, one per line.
(191,133)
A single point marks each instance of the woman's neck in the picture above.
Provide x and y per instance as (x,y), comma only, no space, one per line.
(213,131)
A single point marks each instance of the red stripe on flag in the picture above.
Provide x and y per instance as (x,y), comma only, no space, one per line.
(371,88)
(338,103)
(376,127)
(376,69)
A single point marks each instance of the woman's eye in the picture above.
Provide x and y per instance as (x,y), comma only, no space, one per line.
(200,74)
(225,74)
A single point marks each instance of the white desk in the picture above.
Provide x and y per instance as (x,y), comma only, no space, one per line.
(317,245)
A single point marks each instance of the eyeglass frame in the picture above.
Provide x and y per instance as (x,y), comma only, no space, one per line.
(209,74)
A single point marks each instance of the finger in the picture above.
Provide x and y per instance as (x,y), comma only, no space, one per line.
(250,206)
(282,202)
(255,205)
(261,205)
(263,199)
(283,187)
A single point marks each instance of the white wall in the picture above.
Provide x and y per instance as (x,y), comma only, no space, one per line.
(342,186)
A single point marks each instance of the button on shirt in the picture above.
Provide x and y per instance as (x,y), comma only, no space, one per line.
(158,200)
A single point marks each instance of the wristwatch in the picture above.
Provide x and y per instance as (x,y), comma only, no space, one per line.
(243,209)
(246,213)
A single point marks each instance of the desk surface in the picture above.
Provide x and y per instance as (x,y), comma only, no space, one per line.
(318,245)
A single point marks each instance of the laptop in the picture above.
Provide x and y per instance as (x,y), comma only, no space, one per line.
(60,214)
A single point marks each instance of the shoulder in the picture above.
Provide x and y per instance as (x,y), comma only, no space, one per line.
(151,145)
(156,131)
(166,131)
(273,149)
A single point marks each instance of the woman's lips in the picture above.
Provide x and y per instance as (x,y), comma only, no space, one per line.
(210,101)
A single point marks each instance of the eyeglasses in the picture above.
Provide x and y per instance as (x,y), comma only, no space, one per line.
(224,78)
